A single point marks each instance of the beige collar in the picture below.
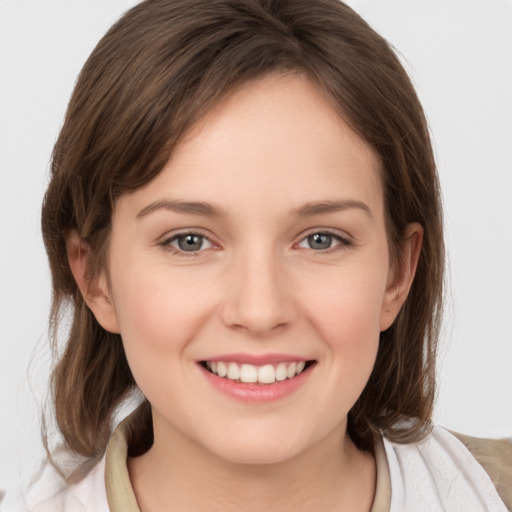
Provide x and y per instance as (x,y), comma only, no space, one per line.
(121,497)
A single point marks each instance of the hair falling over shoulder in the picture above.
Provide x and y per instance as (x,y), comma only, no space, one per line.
(162,66)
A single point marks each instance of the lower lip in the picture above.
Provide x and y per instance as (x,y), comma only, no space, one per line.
(260,393)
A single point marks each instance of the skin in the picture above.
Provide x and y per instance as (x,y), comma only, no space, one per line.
(257,286)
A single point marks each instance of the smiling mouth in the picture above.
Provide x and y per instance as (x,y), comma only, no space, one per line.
(248,373)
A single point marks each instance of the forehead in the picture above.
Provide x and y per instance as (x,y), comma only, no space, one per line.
(273,142)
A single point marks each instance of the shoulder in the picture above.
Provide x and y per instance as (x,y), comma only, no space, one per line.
(48,491)
(495,456)
(439,473)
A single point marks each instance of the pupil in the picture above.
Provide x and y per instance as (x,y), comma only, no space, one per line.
(320,241)
(190,242)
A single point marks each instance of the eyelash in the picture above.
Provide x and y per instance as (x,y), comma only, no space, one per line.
(166,244)
(343,242)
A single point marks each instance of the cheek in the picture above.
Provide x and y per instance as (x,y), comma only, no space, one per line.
(346,314)
(346,306)
(153,297)
(159,312)
(349,325)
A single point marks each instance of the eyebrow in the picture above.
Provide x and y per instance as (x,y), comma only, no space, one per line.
(323,207)
(190,207)
(209,210)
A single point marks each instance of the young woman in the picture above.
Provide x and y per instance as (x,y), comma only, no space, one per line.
(244,219)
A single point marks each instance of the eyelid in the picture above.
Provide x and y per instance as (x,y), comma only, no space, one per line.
(168,238)
(341,236)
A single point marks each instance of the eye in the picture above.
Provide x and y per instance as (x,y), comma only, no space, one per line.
(322,241)
(188,242)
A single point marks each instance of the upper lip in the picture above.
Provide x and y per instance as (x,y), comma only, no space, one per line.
(257,359)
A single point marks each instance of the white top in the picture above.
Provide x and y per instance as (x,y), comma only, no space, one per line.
(48,492)
(437,474)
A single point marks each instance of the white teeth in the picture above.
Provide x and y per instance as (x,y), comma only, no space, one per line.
(222,371)
(281,372)
(266,374)
(233,371)
(248,373)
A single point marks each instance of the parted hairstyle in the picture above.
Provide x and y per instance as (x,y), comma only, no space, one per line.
(161,67)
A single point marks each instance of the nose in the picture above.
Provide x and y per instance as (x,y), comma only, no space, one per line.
(259,296)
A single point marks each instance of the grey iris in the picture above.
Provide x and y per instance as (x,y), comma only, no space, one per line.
(190,242)
(320,241)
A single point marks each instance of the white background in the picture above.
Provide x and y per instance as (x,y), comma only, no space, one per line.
(459,54)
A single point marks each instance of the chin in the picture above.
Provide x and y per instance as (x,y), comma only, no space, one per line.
(257,455)
(257,449)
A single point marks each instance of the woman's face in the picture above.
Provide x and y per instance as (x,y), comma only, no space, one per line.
(259,249)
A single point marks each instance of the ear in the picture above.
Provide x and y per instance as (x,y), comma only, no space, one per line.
(95,292)
(400,278)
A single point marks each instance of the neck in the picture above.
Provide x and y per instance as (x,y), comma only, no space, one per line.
(182,476)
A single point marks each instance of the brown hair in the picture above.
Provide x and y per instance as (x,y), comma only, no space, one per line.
(156,72)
